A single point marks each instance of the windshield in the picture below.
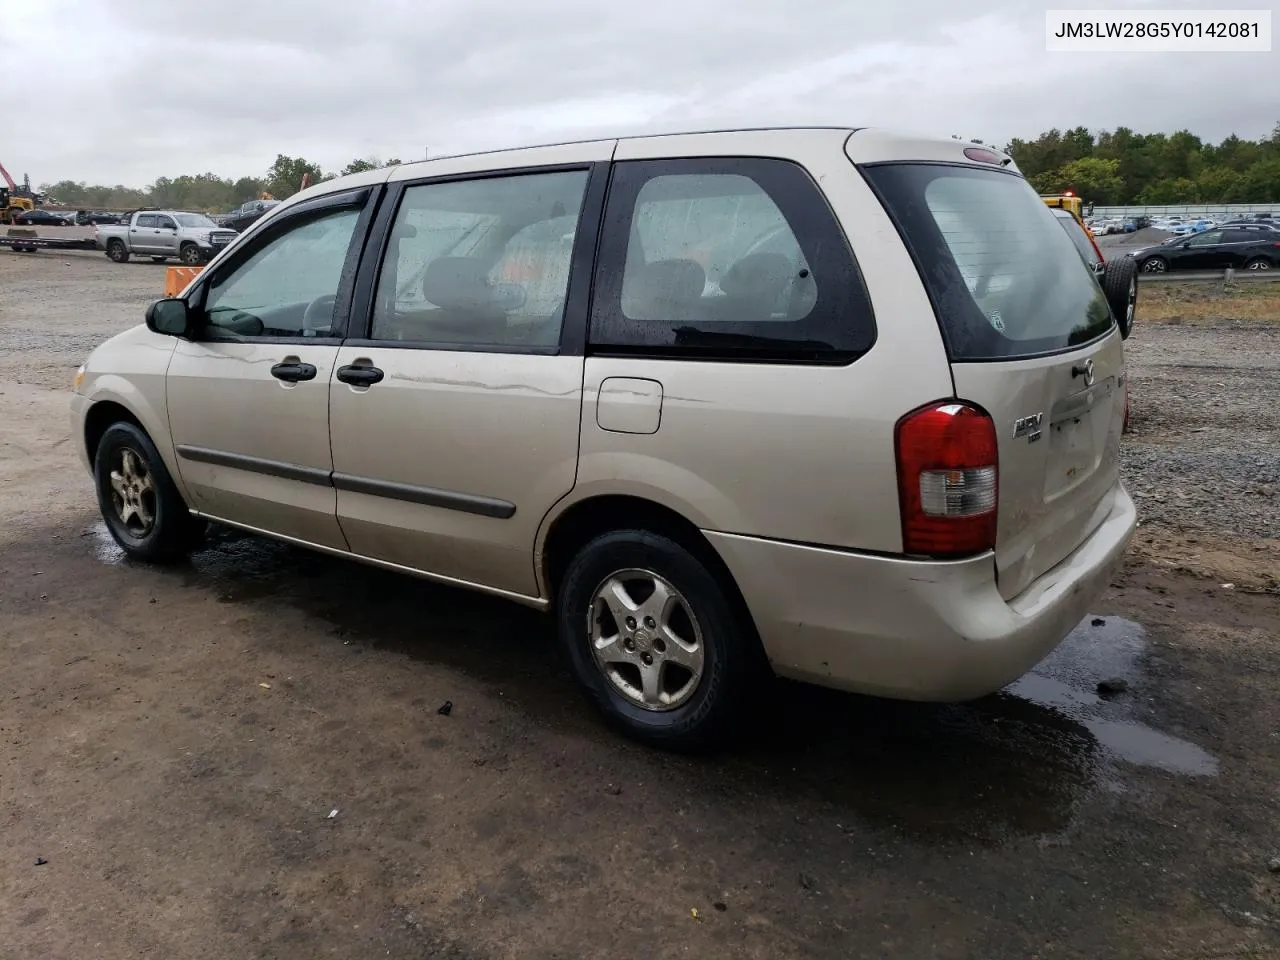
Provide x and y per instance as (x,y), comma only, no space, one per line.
(1005,280)
(193,220)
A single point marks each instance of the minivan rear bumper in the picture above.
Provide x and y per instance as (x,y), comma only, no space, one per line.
(915,630)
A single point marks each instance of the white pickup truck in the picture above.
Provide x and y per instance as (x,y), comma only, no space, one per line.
(163,234)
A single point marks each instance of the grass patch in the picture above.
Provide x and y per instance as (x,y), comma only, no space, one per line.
(1202,302)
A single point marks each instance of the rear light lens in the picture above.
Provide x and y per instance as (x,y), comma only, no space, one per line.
(948,480)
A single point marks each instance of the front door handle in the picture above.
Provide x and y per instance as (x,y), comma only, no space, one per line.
(359,376)
(293,371)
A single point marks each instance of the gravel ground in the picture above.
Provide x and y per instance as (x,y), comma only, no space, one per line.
(172,742)
(1205,408)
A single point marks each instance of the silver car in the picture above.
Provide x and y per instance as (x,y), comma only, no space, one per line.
(833,404)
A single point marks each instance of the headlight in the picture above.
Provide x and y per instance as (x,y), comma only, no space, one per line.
(78,379)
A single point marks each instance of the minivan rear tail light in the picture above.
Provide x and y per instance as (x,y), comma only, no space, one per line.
(948,480)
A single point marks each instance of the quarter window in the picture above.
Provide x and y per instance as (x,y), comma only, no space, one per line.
(288,286)
(726,259)
(480,262)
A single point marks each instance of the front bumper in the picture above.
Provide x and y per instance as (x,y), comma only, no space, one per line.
(915,630)
(79,406)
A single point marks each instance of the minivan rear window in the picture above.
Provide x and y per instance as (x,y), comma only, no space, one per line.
(1005,280)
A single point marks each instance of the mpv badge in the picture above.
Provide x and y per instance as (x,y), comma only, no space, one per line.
(1028,427)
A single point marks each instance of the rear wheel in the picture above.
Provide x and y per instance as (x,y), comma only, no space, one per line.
(142,508)
(655,639)
(1155,265)
(116,251)
(1258,263)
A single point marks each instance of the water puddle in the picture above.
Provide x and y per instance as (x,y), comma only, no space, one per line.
(1067,680)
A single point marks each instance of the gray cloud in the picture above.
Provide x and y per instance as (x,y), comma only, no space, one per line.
(135,89)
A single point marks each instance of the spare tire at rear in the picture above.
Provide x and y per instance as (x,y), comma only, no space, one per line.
(1120,284)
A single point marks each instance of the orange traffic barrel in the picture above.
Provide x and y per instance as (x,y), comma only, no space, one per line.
(177,278)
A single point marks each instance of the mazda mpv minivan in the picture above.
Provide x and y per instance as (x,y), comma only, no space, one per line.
(835,403)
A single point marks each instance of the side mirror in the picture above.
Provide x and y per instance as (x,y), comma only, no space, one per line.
(170,316)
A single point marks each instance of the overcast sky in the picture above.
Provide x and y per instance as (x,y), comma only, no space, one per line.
(124,91)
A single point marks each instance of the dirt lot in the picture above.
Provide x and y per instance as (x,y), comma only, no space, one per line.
(174,741)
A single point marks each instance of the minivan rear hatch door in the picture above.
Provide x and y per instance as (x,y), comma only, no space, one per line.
(1031,341)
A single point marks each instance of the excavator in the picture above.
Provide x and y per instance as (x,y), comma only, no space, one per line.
(13,199)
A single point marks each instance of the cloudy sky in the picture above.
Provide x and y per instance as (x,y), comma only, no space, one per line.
(124,91)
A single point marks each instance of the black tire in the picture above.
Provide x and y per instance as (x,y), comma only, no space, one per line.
(190,255)
(1155,265)
(1120,284)
(1258,263)
(117,252)
(730,649)
(173,533)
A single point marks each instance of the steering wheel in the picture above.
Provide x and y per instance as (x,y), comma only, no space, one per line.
(317,320)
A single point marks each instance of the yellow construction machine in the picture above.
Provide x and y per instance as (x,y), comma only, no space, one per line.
(13,199)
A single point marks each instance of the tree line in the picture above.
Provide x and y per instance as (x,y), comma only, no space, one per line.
(1107,168)
(205,192)
(1123,167)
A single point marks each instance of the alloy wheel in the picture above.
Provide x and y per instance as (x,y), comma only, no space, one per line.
(646,639)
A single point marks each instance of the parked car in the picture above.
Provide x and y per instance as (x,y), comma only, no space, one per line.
(40,218)
(1238,247)
(881,457)
(248,214)
(96,217)
(161,234)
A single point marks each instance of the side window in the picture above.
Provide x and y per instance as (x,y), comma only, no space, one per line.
(481,262)
(166,223)
(288,285)
(1207,238)
(147,220)
(726,259)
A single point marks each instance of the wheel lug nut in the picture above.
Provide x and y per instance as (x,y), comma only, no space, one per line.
(648,660)
(631,623)
(650,622)
(629,643)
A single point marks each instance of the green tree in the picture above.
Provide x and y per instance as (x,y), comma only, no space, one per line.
(1176,190)
(359,166)
(284,177)
(1097,181)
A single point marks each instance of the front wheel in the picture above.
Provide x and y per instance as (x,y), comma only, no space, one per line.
(1258,263)
(656,641)
(116,251)
(191,255)
(142,508)
(1155,265)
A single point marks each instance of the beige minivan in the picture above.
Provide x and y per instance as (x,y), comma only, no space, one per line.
(835,403)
